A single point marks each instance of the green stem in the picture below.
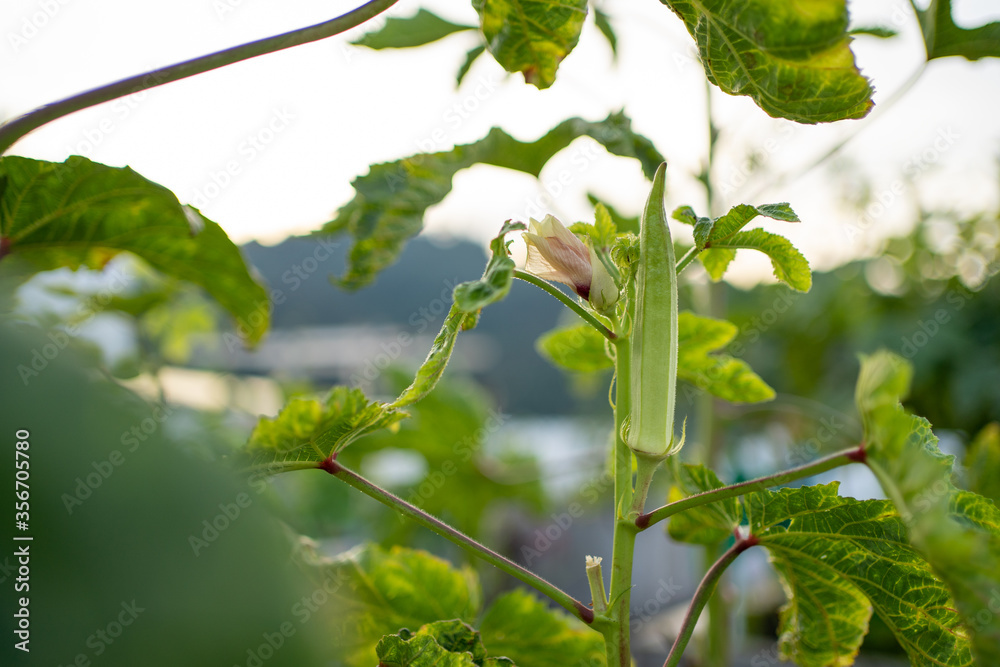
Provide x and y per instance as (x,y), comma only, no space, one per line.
(567,301)
(717,639)
(646,467)
(702,596)
(17,128)
(687,258)
(617,638)
(563,599)
(853,455)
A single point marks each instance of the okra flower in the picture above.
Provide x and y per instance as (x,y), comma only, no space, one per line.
(555,253)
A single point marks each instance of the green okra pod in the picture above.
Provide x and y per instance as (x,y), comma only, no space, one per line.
(654,334)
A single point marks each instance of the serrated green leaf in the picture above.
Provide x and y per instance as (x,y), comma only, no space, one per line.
(603,22)
(422,28)
(470,57)
(531,36)
(982,461)
(312,429)
(523,628)
(728,378)
(376,592)
(880,31)
(707,524)
(470,298)
(958,532)
(438,644)
(419,650)
(790,267)
(708,233)
(839,559)
(579,349)
(942,38)
(81,213)
(390,201)
(793,60)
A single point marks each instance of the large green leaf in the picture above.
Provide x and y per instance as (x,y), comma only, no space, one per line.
(707,524)
(81,213)
(390,201)
(531,36)
(438,644)
(721,375)
(522,628)
(579,349)
(422,28)
(957,532)
(794,59)
(470,298)
(838,559)
(375,592)
(311,429)
(943,38)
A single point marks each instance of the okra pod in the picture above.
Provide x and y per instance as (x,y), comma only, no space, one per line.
(654,333)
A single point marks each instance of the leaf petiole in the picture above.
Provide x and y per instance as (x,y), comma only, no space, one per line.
(701,597)
(568,302)
(853,455)
(563,599)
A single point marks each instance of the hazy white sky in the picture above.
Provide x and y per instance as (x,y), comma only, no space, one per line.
(268,147)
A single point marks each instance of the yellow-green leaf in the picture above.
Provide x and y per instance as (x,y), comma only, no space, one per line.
(375,592)
(312,429)
(523,628)
(580,349)
(721,375)
(792,58)
(531,36)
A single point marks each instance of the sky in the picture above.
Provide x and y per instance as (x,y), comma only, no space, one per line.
(268,147)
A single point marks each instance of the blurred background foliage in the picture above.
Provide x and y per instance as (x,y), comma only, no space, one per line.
(480,451)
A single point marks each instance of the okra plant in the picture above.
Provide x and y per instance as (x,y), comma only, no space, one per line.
(926,560)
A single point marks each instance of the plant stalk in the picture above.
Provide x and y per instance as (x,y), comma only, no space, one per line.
(617,642)
(853,455)
(566,301)
(702,596)
(687,259)
(14,130)
(563,599)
